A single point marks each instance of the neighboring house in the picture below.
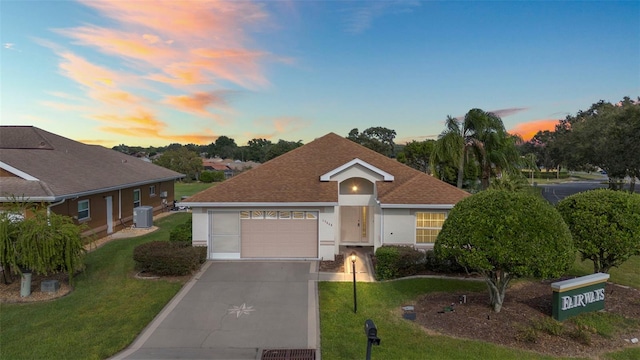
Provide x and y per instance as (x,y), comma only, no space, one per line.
(94,185)
(307,203)
(212,165)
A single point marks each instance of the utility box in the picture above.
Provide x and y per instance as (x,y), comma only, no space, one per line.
(143,217)
(50,286)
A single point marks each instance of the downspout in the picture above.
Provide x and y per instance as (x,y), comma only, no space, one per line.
(54,204)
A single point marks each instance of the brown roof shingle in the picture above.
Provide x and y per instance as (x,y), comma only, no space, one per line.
(65,167)
(295,177)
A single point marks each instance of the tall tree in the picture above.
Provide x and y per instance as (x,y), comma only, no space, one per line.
(417,154)
(480,137)
(224,147)
(379,139)
(257,149)
(281,147)
(181,160)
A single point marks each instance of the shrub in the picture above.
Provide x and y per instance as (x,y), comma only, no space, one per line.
(182,232)
(211,176)
(168,258)
(398,261)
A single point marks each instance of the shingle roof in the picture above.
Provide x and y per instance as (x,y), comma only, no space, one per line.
(65,167)
(295,177)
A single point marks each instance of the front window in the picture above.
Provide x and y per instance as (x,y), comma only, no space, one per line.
(428,225)
(83,210)
(136,198)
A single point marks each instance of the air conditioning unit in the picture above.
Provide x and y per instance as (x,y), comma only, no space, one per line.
(163,194)
(143,217)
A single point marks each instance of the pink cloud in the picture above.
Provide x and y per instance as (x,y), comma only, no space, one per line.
(529,129)
(198,102)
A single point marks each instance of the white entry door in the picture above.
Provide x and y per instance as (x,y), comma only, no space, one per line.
(354,224)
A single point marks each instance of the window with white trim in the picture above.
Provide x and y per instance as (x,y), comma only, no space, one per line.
(83,210)
(152,190)
(136,198)
(428,226)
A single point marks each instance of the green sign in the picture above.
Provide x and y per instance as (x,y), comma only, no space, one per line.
(575,296)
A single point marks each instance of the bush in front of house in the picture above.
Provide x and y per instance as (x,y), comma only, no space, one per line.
(395,261)
(168,258)
(182,232)
(398,261)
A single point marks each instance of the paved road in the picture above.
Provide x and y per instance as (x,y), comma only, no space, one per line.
(556,192)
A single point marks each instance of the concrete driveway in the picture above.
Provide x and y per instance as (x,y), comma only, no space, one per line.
(235,310)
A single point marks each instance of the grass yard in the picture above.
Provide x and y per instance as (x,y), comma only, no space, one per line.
(187,189)
(342,331)
(104,314)
(627,274)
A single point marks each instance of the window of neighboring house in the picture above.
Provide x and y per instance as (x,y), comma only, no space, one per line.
(152,190)
(83,210)
(428,225)
(136,198)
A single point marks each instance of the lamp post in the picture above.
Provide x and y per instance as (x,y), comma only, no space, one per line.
(353,264)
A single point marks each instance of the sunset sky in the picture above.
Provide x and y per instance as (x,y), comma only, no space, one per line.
(151,73)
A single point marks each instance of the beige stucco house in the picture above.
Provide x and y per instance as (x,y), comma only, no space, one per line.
(307,203)
(96,186)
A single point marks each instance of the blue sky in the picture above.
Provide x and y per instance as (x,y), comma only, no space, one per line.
(158,72)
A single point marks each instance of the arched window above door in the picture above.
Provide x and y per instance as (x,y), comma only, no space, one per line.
(356,186)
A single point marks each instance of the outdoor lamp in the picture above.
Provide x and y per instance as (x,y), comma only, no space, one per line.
(353,263)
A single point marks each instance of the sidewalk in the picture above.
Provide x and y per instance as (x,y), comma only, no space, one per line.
(364,267)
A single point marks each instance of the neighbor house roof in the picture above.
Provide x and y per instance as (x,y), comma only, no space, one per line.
(294,177)
(43,166)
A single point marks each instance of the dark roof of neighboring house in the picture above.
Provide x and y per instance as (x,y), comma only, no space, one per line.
(295,177)
(44,166)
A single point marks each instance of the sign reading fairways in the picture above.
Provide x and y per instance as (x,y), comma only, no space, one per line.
(575,296)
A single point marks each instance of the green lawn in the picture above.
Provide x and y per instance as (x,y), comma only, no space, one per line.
(187,189)
(104,314)
(627,274)
(342,331)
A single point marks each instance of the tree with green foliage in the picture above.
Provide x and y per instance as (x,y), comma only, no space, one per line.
(417,154)
(378,139)
(479,138)
(281,147)
(257,149)
(504,235)
(42,243)
(183,161)
(605,225)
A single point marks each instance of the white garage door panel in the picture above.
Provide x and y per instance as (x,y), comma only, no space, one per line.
(279,238)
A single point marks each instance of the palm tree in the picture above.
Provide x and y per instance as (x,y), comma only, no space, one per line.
(479,137)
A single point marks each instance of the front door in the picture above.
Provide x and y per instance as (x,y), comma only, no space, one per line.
(354,224)
(109,201)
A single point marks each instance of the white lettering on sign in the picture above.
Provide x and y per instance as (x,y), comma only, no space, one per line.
(570,302)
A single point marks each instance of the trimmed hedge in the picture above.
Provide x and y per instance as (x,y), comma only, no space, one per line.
(211,176)
(182,232)
(394,261)
(168,258)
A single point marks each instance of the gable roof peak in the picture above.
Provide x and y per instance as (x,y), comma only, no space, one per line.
(385,175)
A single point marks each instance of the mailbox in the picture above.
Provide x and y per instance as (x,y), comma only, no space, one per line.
(370,329)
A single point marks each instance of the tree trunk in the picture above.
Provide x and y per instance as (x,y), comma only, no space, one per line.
(461,171)
(497,282)
(6,274)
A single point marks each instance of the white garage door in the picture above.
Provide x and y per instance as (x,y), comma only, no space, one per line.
(280,238)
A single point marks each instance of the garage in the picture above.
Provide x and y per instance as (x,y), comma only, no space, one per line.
(279,234)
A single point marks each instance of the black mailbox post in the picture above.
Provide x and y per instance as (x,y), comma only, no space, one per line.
(371,331)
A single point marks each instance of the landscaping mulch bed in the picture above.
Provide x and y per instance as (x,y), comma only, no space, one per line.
(526,303)
(333,266)
(11,293)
